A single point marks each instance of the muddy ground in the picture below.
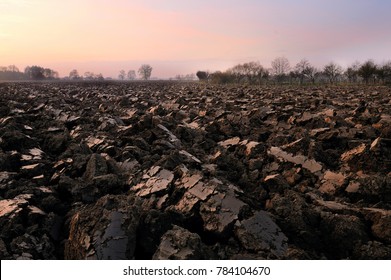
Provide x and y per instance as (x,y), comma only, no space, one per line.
(165,170)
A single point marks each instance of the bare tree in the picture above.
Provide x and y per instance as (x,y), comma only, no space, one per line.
(311,72)
(302,69)
(219,77)
(384,72)
(50,73)
(122,75)
(13,68)
(99,77)
(34,72)
(187,77)
(145,71)
(89,75)
(368,71)
(253,71)
(131,75)
(332,71)
(190,77)
(27,72)
(238,72)
(280,67)
(250,72)
(11,73)
(74,75)
(352,72)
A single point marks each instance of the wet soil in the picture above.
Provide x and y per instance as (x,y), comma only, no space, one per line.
(170,170)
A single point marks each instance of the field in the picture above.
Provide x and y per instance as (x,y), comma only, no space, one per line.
(171,170)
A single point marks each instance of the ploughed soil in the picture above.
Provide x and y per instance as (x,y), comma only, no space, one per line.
(170,170)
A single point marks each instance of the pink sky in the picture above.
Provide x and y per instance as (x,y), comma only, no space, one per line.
(181,37)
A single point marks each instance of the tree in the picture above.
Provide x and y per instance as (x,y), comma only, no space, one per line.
(250,72)
(89,75)
(368,70)
(311,72)
(280,67)
(39,73)
(34,72)
(293,76)
(11,73)
(202,75)
(219,77)
(99,77)
(187,77)
(190,77)
(74,75)
(145,71)
(131,75)
(384,72)
(352,72)
(122,75)
(302,69)
(332,71)
(27,72)
(254,71)
(50,74)
(13,68)
(238,72)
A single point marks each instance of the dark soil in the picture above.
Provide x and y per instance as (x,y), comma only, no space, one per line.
(169,170)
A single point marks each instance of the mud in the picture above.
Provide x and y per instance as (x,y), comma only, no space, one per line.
(169,170)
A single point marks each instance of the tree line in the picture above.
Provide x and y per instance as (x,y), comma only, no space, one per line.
(34,72)
(145,72)
(303,72)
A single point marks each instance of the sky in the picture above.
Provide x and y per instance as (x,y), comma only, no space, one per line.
(182,37)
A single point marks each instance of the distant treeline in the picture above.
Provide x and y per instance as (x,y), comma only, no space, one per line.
(252,72)
(303,72)
(30,73)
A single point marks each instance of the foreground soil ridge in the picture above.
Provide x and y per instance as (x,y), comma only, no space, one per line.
(169,170)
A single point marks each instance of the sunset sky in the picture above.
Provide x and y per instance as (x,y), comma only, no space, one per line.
(181,37)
